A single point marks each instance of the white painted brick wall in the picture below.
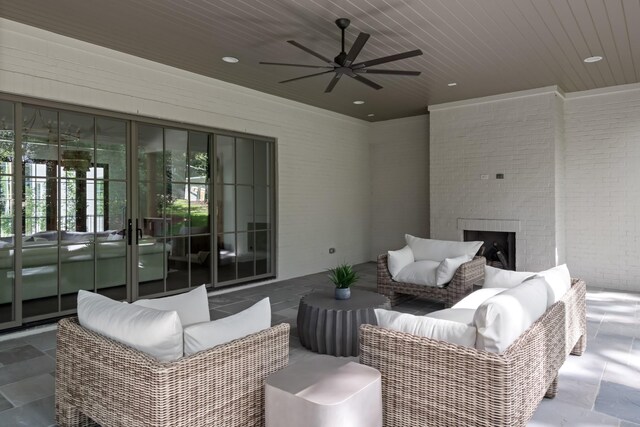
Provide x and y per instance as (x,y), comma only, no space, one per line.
(323,157)
(515,135)
(399,182)
(602,130)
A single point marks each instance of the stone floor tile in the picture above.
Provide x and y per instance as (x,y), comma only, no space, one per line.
(556,413)
(620,372)
(620,401)
(43,341)
(25,369)
(11,343)
(236,307)
(28,390)
(4,404)
(577,393)
(40,413)
(17,354)
(52,353)
(628,424)
(587,368)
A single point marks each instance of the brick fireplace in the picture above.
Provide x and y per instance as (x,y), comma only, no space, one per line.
(497,165)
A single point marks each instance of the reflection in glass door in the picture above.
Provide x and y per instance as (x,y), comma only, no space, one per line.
(7,213)
(244,220)
(73,209)
(173,226)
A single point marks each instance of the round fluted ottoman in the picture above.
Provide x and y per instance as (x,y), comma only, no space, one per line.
(330,326)
(324,392)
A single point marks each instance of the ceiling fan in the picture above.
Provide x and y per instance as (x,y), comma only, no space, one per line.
(343,64)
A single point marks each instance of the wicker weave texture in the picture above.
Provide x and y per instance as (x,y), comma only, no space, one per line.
(460,286)
(116,385)
(433,383)
(576,321)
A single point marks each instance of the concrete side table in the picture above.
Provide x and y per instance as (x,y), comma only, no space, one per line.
(330,326)
(324,392)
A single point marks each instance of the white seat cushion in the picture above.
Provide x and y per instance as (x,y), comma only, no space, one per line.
(210,334)
(447,269)
(192,307)
(558,282)
(155,332)
(499,278)
(399,259)
(474,299)
(438,250)
(504,317)
(419,273)
(460,315)
(438,329)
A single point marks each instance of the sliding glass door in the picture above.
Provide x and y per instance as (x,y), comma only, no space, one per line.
(125,208)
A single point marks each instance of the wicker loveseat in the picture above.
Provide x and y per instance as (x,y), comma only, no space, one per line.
(426,382)
(460,286)
(101,380)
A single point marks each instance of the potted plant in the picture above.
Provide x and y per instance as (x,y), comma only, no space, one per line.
(343,277)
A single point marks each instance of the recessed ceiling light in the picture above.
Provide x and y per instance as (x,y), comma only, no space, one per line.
(230,59)
(452,84)
(593,59)
(370,115)
(358,102)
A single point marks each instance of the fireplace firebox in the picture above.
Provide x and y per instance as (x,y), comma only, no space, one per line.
(499,247)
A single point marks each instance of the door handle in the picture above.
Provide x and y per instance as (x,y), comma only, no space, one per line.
(138,233)
(129,231)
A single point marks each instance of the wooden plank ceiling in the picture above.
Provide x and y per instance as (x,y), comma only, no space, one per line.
(485,46)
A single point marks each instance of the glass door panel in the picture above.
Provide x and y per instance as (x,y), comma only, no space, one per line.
(7,213)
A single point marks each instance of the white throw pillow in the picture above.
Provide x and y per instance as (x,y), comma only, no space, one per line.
(474,299)
(447,269)
(499,278)
(504,317)
(558,282)
(399,259)
(157,333)
(419,273)
(192,307)
(438,329)
(207,335)
(460,315)
(438,250)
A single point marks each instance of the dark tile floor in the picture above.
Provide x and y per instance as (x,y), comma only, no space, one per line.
(600,388)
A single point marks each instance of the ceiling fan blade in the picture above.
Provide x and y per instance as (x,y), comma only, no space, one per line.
(307,76)
(294,65)
(390,58)
(394,72)
(366,81)
(333,83)
(316,54)
(356,48)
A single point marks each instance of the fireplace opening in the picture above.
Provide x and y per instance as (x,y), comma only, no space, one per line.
(499,247)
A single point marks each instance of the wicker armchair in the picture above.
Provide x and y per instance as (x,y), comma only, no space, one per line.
(426,382)
(99,380)
(460,286)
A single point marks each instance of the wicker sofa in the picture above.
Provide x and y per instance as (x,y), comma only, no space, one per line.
(101,380)
(426,382)
(460,286)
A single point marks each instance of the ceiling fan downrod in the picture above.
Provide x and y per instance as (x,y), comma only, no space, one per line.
(342,23)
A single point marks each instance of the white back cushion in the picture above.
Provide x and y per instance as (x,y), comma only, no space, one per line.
(157,333)
(448,267)
(399,259)
(207,335)
(192,307)
(438,329)
(499,278)
(558,282)
(438,250)
(504,317)
(419,273)
(460,315)
(474,299)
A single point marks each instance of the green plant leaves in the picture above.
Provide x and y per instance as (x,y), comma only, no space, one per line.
(343,275)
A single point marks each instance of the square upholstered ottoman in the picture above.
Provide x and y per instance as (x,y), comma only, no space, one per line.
(324,392)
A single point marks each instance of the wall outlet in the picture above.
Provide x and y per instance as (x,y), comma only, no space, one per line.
(332,250)
(484,176)
(499,176)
